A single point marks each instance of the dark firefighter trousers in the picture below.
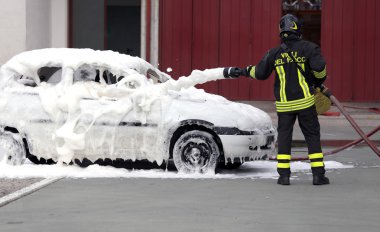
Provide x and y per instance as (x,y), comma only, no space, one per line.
(309,124)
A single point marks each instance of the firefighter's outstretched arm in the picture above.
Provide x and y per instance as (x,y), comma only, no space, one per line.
(260,72)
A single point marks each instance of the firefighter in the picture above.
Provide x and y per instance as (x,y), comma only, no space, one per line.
(299,69)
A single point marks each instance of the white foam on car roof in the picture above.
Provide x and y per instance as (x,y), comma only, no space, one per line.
(26,62)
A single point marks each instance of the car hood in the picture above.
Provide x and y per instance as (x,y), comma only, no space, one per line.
(194,103)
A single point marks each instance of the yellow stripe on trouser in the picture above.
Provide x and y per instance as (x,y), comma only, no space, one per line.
(283,165)
(316,156)
(316,160)
(284,161)
(317,164)
(281,75)
(283,157)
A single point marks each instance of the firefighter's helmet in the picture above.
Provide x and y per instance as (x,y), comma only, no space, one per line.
(290,24)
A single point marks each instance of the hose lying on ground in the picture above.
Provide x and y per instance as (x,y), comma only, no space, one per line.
(352,122)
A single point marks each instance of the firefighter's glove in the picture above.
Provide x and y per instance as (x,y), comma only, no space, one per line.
(322,102)
(232,72)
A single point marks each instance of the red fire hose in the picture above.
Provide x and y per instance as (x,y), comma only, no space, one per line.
(372,109)
(353,143)
(351,120)
(363,136)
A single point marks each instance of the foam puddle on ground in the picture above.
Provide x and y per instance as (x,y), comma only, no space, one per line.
(249,170)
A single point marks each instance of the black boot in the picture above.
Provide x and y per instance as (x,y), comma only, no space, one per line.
(320,179)
(283,180)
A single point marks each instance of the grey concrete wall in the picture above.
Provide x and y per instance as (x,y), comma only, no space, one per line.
(88,24)
(31,24)
(38,24)
(59,23)
(12,28)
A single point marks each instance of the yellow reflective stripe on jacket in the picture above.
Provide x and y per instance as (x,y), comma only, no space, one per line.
(294,108)
(295,102)
(292,102)
(295,105)
(302,82)
(320,74)
(252,73)
(316,156)
(281,75)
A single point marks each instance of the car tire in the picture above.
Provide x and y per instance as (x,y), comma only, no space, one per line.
(12,148)
(195,151)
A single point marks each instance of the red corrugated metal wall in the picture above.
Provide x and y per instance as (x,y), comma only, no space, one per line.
(351,44)
(176,25)
(198,34)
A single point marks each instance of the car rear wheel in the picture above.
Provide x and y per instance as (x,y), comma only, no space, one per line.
(12,148)
(195,151)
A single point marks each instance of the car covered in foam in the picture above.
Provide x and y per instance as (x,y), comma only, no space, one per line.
(71,105)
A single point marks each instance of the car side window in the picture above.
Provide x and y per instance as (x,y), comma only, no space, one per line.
(85,73)
(151,74)
(110,78)
(52,75)
(27,81)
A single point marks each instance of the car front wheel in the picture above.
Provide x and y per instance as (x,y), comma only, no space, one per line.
(12,148)
(195,151)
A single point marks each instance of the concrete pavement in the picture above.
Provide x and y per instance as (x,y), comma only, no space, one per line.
(350,203)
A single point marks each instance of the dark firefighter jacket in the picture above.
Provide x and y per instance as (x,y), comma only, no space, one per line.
(292,90)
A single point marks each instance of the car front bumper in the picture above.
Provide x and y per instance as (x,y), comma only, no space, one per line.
(245,147)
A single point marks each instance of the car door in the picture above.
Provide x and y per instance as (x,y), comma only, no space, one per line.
(139,133)
(114,126)
(24,110)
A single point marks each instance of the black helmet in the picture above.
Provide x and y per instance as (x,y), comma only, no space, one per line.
(289,23)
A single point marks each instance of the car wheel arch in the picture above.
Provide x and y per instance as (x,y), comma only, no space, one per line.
(18,140)
(190,125)
(29,155)
(15,131)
